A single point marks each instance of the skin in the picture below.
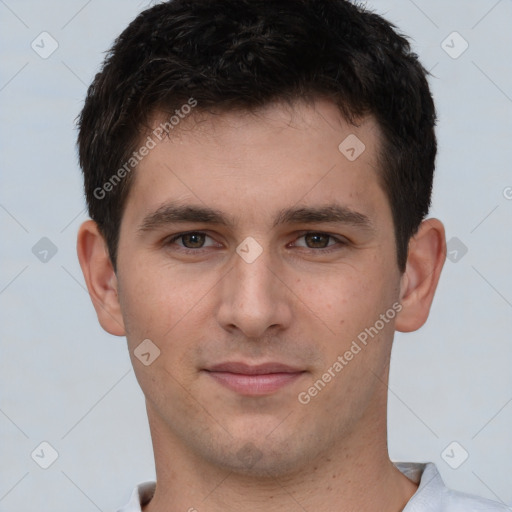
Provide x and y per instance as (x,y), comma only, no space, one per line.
(301,302)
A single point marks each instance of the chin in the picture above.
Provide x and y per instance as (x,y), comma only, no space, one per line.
(259,459)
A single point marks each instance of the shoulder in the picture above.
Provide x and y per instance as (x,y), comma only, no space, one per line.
(141,496)
(461,502)
(433,496)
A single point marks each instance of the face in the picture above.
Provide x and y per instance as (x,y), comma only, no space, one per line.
(261,262)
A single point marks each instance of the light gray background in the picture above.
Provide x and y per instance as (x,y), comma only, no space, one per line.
(67,382)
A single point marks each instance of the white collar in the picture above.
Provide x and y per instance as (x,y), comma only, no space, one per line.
(431,496)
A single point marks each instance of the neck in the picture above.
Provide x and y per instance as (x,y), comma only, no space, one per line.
(355,475)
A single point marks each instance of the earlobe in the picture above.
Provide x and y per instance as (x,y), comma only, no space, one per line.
(425,260)
(100,277)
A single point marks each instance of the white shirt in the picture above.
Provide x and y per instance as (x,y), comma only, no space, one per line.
(431,496)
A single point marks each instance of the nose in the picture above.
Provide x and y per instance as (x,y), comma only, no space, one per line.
(254,299)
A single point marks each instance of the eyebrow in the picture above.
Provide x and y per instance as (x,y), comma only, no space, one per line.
(325,214)
(172,213)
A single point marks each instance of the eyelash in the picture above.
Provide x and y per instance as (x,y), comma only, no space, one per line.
(340,242)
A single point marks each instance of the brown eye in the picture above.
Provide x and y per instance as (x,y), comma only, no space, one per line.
(322,242)
(317,240)
(193,240)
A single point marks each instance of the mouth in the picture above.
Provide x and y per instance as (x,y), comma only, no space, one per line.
(254,380)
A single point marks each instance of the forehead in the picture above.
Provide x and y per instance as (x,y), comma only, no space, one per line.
(305,118)
(257,163)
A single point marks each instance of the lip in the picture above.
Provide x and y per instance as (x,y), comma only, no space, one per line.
(254,380)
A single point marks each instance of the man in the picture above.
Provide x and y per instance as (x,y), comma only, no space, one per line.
(258,175)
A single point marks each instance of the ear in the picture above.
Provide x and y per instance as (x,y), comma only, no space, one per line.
(425,260)
(100,277)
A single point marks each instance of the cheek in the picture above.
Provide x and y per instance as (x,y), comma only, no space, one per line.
(344,299)
(358,343)
(346,308)
(145,292)
(164,307)
(163,304)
